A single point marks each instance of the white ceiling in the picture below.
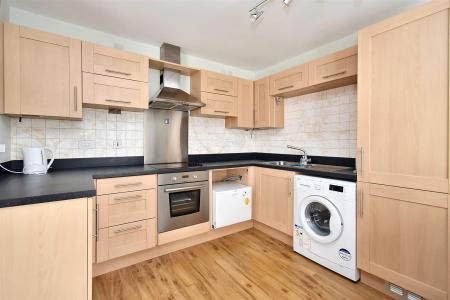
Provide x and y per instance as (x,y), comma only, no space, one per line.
(221,30)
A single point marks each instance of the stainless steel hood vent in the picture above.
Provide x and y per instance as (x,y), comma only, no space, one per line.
(170,96)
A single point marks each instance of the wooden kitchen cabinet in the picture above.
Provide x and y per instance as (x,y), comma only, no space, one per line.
(273,199)
(269,112)
(104,91)
(114,62)
(245,107)
(212,82)
(338,68)
(290,80)
(402,237)
(45,250)
(216,106)
(403,100)
(42,73)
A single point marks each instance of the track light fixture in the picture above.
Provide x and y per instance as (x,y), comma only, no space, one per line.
(256,12)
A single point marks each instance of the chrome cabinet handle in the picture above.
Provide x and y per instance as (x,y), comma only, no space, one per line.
(118,101)
(361,202)
(135,197)
(75,97)
(181,189)
(97,215)
(220,90)
(222,111)
(117,72)
(121,230)
(122,185)
(334,74)
(285,87)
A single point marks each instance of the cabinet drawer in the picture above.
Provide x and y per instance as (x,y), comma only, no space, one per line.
(107,91)
(219,83)
(289,80)
(125,184)
(333,67)
(217,106)
(125,239)
(114,62)
(121,208)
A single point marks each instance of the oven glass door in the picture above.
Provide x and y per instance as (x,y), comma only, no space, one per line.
(182,205)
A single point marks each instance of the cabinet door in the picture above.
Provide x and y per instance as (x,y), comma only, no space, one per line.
(245,107)
(114,62)
(402,237)
(45,251)
(219,83)
(403,100)
(269,112)
(273,199)
(217,106)
(337,66)
(104,91)
(289,80)
(42,73)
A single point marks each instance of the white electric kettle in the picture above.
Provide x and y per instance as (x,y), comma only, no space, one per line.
(35,160)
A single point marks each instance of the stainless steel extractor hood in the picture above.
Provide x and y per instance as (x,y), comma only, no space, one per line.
(170,95)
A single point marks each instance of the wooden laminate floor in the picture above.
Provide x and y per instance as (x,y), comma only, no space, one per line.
(245,265)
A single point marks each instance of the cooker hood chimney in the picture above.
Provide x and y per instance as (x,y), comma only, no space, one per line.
(170,96)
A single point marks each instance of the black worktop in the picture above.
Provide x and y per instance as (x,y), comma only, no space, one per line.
(70,181)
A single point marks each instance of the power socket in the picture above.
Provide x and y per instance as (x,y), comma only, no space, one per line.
(2,148)
(117,144)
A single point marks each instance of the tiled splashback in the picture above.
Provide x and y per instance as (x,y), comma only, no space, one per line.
(323,123)
(96,135)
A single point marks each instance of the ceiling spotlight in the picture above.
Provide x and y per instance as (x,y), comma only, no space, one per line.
(286,2)
(256,14)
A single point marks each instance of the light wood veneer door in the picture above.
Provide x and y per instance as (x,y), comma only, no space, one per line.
(402,237)
(114,62)
(336,66)
(42,73)
(269,113)
(45,250)
(273,200)
(245,106)
(216,106)
(290,80)
(217,83)
(403,100)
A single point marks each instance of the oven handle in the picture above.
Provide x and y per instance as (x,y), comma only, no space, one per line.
(181,189)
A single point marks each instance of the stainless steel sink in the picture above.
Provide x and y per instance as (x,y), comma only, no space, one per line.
(282,163)
(318,167)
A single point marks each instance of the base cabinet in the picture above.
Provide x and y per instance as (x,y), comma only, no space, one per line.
(45,250)
(274,199)
(402,237)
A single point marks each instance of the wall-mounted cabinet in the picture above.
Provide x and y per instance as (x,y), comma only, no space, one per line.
(216,83)
(245,107)
(42,73)
(269,111)
(332,71)
(216,106)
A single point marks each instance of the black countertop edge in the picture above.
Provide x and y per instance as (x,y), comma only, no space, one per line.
(46,198)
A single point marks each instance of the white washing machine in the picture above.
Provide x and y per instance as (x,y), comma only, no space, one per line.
(325,223)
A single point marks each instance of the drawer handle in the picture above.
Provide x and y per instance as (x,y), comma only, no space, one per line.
(121,230)
(221,112)
(117,72)
(220,90)
(334,74)
(135,197)
(124,185)
(118,101)
(286,87)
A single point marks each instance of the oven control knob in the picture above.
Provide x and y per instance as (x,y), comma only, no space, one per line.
(174,178)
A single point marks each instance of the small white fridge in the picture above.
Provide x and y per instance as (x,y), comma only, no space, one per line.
(232,203)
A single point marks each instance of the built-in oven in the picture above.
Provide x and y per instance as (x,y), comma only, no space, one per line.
(183,200)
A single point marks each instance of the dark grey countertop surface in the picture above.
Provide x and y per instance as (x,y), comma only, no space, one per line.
(66,184)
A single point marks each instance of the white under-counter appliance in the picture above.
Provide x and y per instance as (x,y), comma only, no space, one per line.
(325,223)
(232,203)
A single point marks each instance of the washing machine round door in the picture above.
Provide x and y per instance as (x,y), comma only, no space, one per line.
(320,219)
